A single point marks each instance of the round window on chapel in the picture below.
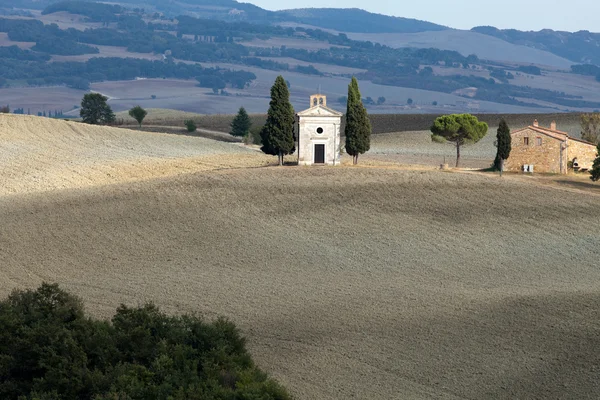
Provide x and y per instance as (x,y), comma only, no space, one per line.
(319,130)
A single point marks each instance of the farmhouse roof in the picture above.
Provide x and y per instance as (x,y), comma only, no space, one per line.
(553,133)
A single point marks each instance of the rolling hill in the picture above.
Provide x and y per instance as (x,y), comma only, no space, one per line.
(356,20)
(42,154)
(581,47)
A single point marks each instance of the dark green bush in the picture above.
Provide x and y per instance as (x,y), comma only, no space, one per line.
(49,349)
(190,125)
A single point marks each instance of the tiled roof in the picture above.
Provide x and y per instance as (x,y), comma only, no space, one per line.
(548,132)
(559,135)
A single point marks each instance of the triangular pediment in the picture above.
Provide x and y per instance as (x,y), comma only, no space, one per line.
(319,111)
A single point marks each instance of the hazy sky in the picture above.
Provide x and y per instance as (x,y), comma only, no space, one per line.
(572,15)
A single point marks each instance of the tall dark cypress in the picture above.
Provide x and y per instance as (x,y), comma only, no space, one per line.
(278,133)
(503,145)
(358,126)
(595,171)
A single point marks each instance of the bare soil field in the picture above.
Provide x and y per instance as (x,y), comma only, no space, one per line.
(108,51)
(42,99)
(325,68)
(6,42)
(416,147)
(467,42)
(349,282)
(42,154)
(586,86)
(307,44)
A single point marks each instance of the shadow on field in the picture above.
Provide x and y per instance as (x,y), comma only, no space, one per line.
(595,187)
(531,347)
(543,347)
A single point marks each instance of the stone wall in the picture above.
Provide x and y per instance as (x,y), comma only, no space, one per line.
(584,152)
(545,157)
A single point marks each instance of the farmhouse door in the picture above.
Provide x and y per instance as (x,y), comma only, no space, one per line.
(319,154)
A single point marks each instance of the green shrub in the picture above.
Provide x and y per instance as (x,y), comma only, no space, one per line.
(438,139)
(190,125)
(254,135)
(49,349)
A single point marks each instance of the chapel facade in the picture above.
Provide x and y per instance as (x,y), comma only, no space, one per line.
(319,133)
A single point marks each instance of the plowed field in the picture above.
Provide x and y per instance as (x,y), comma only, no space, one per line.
(350,282)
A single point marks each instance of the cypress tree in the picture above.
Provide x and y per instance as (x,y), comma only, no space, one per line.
(240,126)
(278,133)
(596,167)
(503,145)
(358,126)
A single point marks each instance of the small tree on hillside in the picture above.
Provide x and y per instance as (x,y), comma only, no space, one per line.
(138,113)
(503,145)
(595,171)
(278,133)
(95,109)
(358,126)
(240,126)
(190,125)
(590,127)
(459,129)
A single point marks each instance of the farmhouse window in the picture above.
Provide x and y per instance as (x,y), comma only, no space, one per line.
(538,141)
(526,141)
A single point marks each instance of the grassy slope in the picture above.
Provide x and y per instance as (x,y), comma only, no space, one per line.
(350,282)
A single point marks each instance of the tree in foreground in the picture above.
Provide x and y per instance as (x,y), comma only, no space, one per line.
(49,349)
(138,113)
(459,129)
(95,109)
(595,171)
(503,145)
(240,126)
(358,126)
(278,133)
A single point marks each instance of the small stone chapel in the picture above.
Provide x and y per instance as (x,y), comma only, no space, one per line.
(319,133)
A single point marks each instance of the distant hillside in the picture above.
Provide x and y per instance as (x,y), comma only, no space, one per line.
(581,47)
(359,21)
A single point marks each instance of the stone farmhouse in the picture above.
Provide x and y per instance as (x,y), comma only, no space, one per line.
(541,149)
(319,133)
